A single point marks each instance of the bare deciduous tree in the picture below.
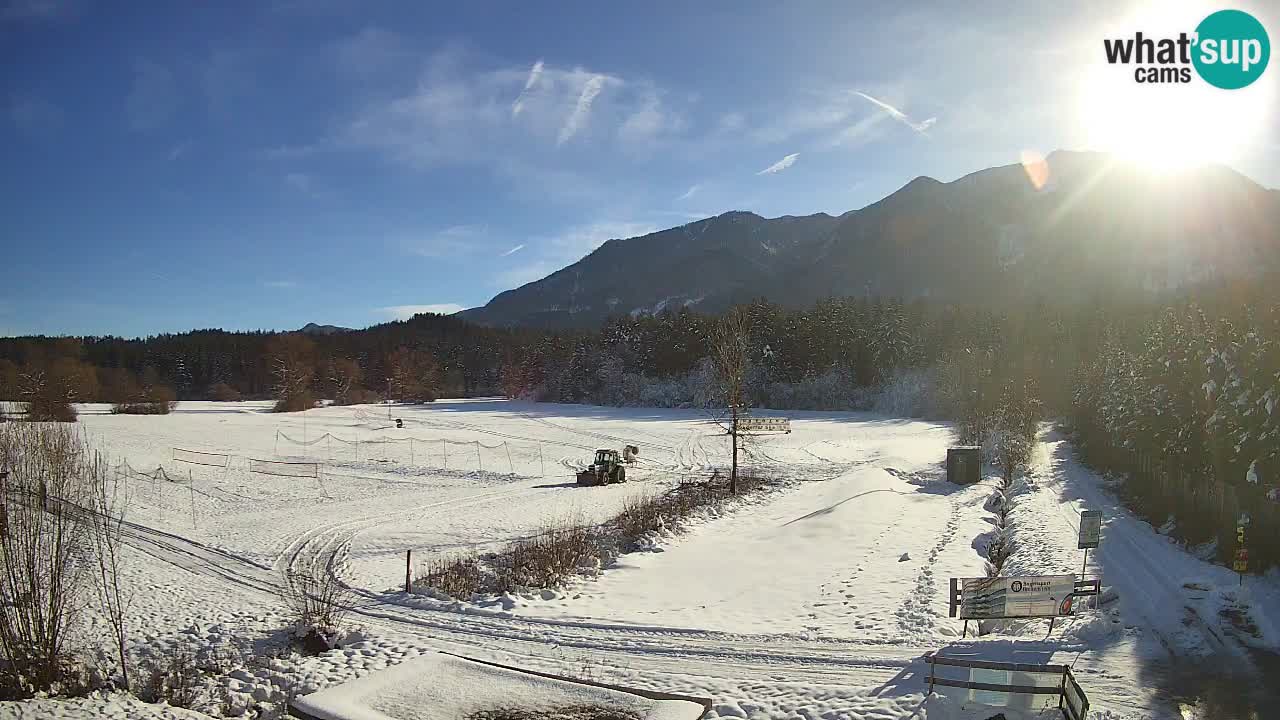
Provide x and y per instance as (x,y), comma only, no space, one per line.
(48,548)
(107,514)
(730,352)
(344,377)
(292,357)
(414,376)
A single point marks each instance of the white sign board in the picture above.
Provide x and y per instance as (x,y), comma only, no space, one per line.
(754,424)
(1016,597)
(1090,529)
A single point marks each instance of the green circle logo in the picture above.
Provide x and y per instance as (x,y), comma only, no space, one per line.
(1232,49)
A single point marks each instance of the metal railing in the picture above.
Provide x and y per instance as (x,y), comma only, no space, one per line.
(1072,700)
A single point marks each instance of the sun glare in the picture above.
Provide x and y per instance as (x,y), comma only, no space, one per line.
(1171,125)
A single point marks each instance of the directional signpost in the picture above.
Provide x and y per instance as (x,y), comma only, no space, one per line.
(763,424)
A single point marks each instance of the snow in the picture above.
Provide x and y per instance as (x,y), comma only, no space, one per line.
(441,687)
(794,604)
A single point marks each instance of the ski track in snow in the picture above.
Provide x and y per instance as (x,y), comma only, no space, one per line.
(796,604)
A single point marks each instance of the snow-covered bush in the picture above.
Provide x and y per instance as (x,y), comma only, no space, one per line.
(909,393)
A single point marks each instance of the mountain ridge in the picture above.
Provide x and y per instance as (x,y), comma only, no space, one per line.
(1063,231)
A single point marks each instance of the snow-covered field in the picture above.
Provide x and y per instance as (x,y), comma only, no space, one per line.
(815,601)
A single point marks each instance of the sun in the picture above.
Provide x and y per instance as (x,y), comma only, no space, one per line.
(1169,125)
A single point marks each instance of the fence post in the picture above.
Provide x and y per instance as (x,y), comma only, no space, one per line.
(479,462)
(444,448)
(541,464)
(510,464)
(408,569)
(277,446)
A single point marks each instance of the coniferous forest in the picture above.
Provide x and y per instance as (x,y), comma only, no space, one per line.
(1180,397)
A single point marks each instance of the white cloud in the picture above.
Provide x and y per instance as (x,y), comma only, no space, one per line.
(153,98)
(458,115)
(513,250)
(535,72)
(370,51)
(577,241)
(590,89)
(859,133)
(404,312)
(523,275)
(449,242)
(280,284)
(693,189)
(569,246)
(898,115)
(650,125)
(781,165)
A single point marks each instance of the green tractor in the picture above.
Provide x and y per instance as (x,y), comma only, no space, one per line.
(605,470)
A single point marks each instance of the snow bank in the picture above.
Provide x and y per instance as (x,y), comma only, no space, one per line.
(443,687)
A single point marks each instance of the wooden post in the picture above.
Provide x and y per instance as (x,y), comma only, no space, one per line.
(965,633)
(408,569)
(444,448)
(479,462)
(277,447)
(933,669)
(1084,563)
(541,464)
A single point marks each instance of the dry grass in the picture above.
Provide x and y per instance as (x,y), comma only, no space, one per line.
(459,576)
(571,548)
(550,558)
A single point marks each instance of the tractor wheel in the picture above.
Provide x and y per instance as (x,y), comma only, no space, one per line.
(621,475)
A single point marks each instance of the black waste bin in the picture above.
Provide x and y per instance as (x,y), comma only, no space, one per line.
(964,465)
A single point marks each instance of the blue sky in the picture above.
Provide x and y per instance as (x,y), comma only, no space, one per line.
(267,164)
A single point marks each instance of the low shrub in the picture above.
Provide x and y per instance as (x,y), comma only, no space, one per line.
(458,577)
(223,392)
(144,407)
(570,548)
(548,559)
(172,678)
(319,604)
(294,403)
